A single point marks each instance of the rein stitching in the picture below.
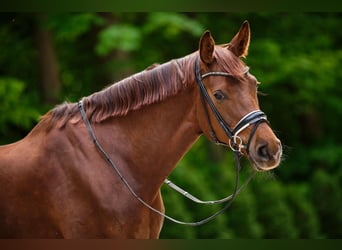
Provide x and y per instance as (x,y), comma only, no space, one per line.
(235,143)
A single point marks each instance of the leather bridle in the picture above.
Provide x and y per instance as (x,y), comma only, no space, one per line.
(255,117)
(235,143)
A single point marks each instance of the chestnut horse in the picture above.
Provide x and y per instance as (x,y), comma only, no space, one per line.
(56,183)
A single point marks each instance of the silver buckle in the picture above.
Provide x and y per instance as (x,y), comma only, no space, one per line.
(236,144)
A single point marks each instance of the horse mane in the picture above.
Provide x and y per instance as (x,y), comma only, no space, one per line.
(152,85)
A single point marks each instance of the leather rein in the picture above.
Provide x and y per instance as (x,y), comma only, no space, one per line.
(235,143)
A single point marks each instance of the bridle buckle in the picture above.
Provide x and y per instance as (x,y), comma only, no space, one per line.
(236,144)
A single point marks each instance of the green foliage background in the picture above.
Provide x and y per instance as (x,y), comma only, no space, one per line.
(297,57)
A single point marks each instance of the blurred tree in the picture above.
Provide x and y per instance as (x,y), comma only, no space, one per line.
(305,216)
(274,213)
(48,65)
(327,199)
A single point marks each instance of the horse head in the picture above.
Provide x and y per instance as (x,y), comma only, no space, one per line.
(228,108)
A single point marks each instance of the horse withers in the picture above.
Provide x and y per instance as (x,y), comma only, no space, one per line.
(56,183)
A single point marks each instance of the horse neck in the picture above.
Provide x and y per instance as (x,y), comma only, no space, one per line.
(153,139)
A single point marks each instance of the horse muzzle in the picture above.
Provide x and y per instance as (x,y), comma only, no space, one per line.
(265,155)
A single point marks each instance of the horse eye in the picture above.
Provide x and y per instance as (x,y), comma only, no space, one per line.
(219,95)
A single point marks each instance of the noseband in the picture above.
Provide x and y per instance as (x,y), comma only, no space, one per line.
(235,143)
(255,117)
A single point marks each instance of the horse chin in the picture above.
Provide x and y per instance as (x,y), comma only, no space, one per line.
(262,166)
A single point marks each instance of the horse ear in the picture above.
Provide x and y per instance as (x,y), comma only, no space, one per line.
(240,43)
(206,47)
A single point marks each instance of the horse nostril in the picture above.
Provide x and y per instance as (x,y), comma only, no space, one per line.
(262,151)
